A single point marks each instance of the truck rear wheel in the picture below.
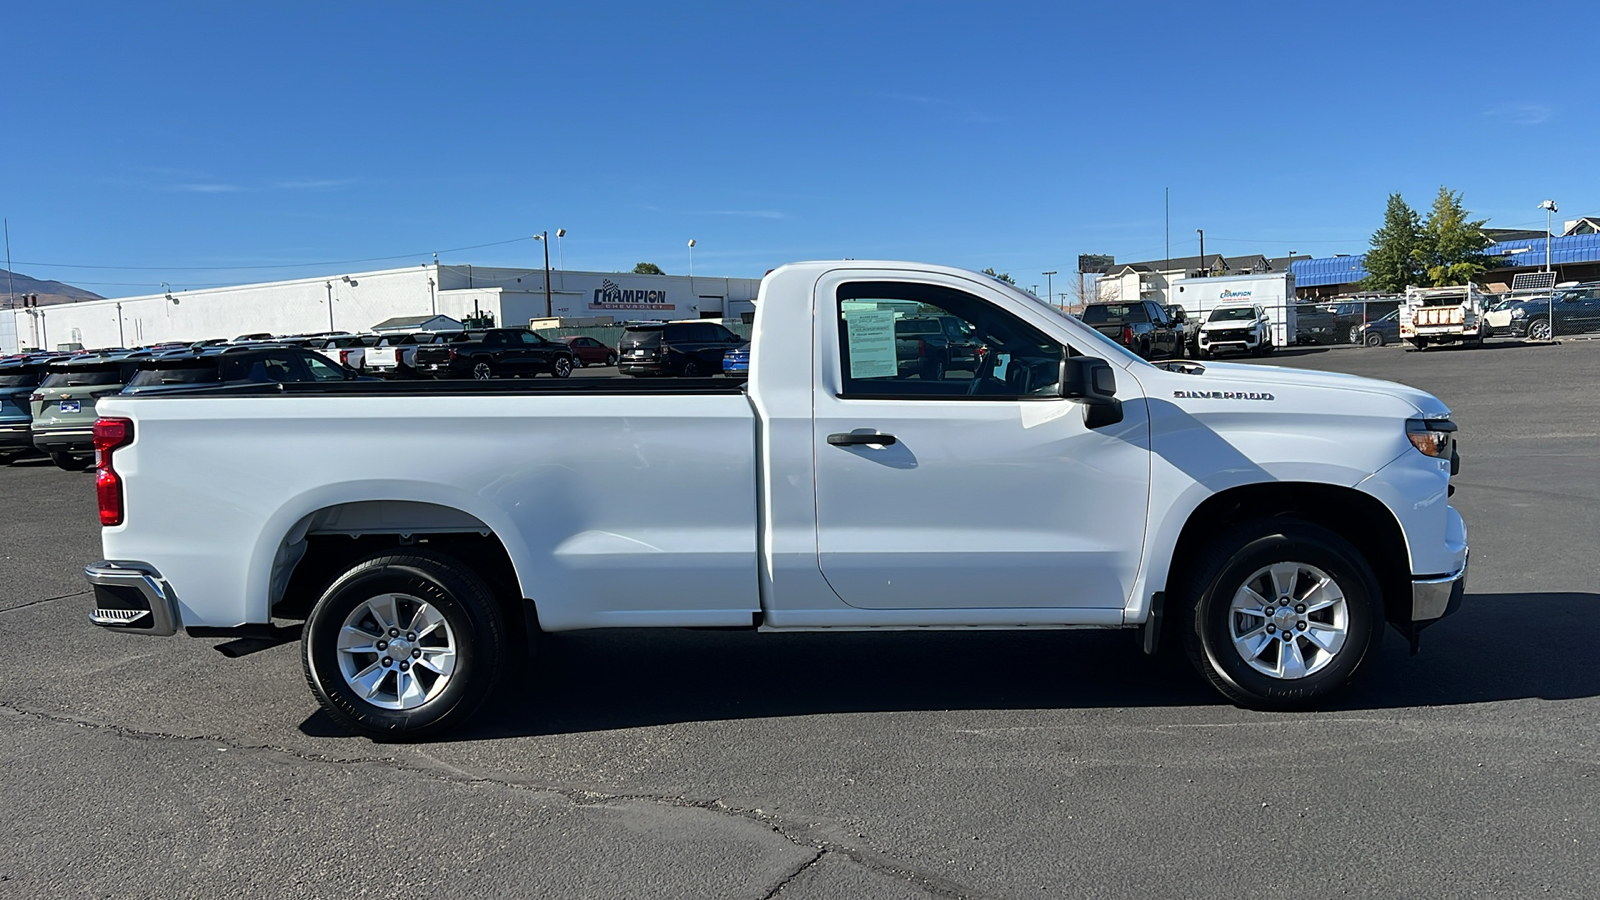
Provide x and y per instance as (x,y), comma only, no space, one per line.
(403,645)
(1281,614)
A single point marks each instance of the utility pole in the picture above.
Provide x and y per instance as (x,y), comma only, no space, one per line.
(11,289)
(1203,266)
(1049,284)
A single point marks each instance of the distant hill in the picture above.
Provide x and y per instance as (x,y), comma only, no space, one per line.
(50,292)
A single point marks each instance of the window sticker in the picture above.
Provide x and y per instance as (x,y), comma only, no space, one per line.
(871,339)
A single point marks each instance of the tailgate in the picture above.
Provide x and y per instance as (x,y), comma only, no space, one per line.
(383,357)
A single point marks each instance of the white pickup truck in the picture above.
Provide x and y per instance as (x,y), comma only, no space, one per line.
(1271,519)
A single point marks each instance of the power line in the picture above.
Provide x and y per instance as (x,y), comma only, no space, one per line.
(333,262)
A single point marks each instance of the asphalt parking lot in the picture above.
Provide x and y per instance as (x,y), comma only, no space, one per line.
(733,765)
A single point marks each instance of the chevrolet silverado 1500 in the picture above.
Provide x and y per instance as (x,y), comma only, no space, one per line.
(1270,521)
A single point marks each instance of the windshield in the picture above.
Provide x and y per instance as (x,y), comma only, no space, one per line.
(1232,314)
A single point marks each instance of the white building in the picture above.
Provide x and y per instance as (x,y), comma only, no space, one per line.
(359,300)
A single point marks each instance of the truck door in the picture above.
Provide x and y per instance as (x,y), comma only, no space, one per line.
(993,493)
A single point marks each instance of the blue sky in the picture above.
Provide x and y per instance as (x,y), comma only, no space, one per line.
(196,140)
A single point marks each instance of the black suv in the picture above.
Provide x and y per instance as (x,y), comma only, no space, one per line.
(1142,326)
(241,364)
(1577,309)
(488,354)
(927,346)
(691,349)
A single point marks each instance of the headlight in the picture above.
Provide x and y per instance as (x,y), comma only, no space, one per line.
(1434,437)
(1519,313)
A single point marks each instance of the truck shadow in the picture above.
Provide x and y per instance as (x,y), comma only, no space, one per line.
(603,680)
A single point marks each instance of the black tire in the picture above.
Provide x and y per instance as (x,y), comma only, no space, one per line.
(1539,330)
(577,361)
(691,369)
(1201,353)
(475,623)
(1373,339)
(561,366)
(1355,334)
(71,463)
(1418,345)
(482,370)
(611,359)
(1236,559)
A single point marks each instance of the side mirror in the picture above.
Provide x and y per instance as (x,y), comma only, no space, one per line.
(1091,381)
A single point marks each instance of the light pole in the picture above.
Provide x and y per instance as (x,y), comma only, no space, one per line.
(329,286)
(543,237)
(1049,284)
(122,340)
(1549,207)
(691,257)
(1205,268)
(561,256)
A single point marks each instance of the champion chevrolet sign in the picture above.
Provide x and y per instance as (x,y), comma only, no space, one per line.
(610,295)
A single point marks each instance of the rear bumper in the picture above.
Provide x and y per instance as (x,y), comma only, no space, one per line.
(132,596)
(64,440)
(16,436)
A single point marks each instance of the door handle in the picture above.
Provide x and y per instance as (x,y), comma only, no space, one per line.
(850,439)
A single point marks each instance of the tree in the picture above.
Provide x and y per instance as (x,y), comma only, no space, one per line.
(1452,245)
(1395,260)
(647,268)
(1003,276)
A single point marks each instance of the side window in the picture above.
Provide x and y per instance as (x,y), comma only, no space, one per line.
(321,369)
(724,335)
(894,341)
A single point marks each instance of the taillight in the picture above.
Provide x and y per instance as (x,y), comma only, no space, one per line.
(109,434)
(922,347)
(1127,335)
(344,357)
(452,354)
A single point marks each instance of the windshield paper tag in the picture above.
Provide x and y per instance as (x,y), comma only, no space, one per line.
(870,334)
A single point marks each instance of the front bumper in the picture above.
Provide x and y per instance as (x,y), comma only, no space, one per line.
(1435,598)
(64,440)
(132,596)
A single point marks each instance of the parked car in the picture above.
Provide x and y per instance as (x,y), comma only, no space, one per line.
(347,350)
(1385,330)
(1235,328)
(1141,326)
(1576,309)
(18,379)
(254,336)
(395,355)
(929,346)
(233,365)
(1338,322)
(494,353)
(690,349)
(1188,325)
(64,405)
(736,361)
(588,351)
(1498,315)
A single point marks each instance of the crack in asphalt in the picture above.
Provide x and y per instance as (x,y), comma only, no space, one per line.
(934,885)
(783,882)
(81,593)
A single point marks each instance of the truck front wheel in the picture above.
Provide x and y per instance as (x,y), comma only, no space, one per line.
(1281,614)
(403,645)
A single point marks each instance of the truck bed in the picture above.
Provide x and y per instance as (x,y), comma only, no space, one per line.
(471,388)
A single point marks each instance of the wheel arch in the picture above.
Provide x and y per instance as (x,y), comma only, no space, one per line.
(1358,517)
(307,550)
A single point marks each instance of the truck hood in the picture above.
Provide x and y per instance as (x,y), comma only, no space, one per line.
(1243,377)
(1229,326)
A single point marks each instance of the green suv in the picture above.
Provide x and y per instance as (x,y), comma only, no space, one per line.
(63,406)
